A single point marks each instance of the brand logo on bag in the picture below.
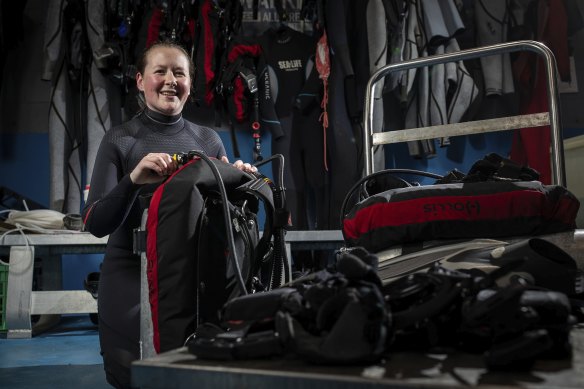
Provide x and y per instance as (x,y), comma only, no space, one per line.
(469,207)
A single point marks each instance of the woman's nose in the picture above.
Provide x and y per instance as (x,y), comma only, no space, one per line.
(170,78)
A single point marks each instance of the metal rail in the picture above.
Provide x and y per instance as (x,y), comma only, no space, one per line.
(551,118)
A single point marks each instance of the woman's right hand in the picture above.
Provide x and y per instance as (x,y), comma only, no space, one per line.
(153,168)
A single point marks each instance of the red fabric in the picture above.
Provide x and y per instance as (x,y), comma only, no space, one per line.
(531,146)
(553,31)
(238,50)
(154,27)
(206,9)
(88,213)
(238,97)
(238,87)
(493,207)
(152,264)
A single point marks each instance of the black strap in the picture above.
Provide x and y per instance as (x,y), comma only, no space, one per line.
(234,142)
(280,223)
(264,188)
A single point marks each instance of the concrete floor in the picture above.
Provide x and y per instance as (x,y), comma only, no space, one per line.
(64,356)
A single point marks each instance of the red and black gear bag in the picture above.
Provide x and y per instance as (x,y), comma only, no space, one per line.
(488,209)
(189,265)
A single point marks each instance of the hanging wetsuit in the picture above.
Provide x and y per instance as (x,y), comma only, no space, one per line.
(441,93)
(289,106)
(343,135)
(531,146)
(63,67)
(492,21)
(377,39)
(100,90)
(113,209)
(80,96)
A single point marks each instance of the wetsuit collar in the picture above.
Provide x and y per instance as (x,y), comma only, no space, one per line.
(159,118)
(162,124)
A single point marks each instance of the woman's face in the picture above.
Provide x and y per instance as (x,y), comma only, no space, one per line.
(166,82)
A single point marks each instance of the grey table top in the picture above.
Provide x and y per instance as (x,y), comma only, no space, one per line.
(180,369)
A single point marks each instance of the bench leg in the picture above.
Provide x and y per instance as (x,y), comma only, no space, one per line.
(51,280)
(18,298)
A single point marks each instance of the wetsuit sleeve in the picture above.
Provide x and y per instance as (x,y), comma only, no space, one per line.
(111,192)
(309,96)
(267,101)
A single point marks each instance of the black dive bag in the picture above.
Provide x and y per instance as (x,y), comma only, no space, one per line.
(204,245)
(497,198)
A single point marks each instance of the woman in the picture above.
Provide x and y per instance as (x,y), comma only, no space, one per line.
(132,160)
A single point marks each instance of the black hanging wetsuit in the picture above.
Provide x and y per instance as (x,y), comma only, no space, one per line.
(112,208)
(290,107)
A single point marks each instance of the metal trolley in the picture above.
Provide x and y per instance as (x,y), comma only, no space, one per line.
(551,118)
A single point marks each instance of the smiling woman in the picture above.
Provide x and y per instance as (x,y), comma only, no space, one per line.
(133,159)
(165,78)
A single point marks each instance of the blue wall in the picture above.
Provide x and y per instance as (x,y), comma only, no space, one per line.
(24,168)
(24,165)
(461,154)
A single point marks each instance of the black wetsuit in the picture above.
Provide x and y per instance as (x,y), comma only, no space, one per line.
(112,208)
(290,109)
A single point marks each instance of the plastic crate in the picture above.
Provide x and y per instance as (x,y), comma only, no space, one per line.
(3,288)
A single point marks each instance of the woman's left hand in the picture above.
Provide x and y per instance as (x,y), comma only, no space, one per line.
(246,167)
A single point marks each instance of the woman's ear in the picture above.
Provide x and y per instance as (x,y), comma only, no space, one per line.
(140,81)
